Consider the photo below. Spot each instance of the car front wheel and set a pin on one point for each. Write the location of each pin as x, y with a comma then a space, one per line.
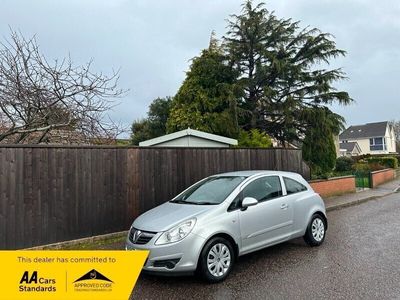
216, 260
316, 229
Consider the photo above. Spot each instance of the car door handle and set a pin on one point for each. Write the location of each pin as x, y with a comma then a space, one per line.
284, 206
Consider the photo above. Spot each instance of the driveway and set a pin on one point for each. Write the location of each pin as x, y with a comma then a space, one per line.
359, 259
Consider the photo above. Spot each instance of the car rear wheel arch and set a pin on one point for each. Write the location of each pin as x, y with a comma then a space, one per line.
322, 215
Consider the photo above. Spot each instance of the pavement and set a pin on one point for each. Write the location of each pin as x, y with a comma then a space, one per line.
337, 202
358, 260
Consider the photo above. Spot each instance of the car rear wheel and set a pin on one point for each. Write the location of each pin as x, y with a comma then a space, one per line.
216, 260
316, 230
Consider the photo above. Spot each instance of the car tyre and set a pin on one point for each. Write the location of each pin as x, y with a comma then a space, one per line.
316, 231
216, 260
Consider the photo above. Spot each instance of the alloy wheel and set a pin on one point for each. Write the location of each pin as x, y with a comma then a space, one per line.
318, 229
218, 260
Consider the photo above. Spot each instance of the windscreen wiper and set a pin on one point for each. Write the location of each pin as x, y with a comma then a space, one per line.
195, 203
204, 203
180, 201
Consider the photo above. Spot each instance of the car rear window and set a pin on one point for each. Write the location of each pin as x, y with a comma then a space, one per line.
293, 186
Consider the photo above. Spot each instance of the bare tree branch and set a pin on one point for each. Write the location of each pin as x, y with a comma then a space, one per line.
39, 98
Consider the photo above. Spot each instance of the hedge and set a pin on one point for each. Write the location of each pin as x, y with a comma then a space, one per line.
344, 164
389, 162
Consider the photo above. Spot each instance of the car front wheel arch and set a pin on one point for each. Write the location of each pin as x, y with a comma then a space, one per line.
230, 239
216, 258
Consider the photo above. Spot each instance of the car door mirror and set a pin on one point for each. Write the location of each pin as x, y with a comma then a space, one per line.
248, 201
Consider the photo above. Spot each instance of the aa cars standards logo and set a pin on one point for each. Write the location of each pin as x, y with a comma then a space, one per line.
93, 281
33, 282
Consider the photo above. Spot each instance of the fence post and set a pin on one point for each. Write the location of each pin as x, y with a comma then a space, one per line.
371, 183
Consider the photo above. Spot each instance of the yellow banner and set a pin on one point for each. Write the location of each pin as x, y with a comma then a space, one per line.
69, 274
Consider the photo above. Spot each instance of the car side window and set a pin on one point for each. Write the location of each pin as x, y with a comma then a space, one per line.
264, 188
236, 203
293, 186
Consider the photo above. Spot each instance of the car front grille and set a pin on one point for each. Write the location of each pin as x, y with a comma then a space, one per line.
140, 237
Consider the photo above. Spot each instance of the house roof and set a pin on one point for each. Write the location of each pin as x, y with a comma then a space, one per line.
349, 147
188, 132
364, 131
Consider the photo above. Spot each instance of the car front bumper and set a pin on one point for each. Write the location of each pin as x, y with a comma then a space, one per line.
178, 257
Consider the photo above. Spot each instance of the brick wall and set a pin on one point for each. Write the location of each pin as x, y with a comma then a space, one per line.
382, 176
334, 186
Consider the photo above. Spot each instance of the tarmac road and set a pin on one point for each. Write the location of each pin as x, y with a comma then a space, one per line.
359, 259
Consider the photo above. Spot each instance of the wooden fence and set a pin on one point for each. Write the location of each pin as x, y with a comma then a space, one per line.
50, 194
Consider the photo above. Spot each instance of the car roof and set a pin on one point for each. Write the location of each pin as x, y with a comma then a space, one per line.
256, 173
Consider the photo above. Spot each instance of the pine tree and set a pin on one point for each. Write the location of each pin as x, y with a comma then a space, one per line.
279, 66
207, 98
318, 147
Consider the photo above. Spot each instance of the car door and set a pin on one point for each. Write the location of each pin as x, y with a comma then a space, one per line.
271, 220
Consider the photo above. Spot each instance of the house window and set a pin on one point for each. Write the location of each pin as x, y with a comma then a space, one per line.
377, 144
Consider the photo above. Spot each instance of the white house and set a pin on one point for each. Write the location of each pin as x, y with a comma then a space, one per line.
349, 149
371, 138
190, 138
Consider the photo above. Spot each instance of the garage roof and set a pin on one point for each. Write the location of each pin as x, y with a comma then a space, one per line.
188, 132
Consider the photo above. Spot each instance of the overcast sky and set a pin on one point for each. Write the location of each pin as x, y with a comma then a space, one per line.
153, 41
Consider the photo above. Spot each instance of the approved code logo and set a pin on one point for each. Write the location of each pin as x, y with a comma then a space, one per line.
93, 281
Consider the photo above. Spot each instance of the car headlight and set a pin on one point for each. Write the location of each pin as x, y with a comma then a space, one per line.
176, 233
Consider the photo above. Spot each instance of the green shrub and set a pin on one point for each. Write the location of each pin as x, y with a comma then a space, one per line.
344, 164
361, 167
388, 162
375, 167
254, 139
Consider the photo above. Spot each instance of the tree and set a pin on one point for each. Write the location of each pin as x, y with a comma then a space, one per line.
140, 131
207, 98
254, 139
280, 71
159, 111
155, 123
396, 128
38, 97
318, 147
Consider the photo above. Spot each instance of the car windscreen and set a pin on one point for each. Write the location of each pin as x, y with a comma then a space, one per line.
210, 191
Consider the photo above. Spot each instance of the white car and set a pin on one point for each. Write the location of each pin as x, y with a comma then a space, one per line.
210, 224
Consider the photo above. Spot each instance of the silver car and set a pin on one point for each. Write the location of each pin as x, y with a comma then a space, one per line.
213, 222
